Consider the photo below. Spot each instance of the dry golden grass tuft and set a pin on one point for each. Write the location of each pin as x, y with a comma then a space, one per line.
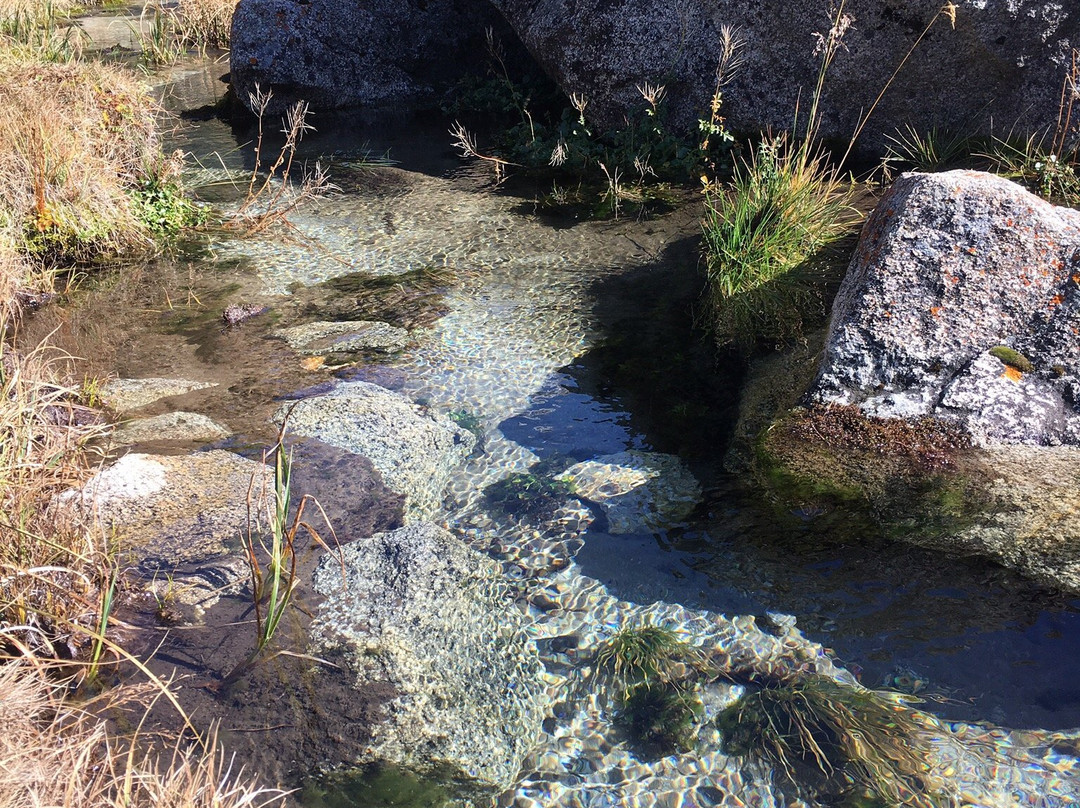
53, 753
78, 144
205, 23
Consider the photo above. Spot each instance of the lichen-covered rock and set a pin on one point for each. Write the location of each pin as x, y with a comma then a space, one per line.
335, 54
640, 492
1003, 61
995, 60
950, 267
414, 449
420, 610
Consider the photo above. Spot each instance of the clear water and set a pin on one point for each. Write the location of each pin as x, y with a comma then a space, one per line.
527, 348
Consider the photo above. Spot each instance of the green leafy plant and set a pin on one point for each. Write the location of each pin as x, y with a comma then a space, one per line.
849, 736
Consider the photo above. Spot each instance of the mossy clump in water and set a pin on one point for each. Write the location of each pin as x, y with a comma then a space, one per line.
891, 470
1012, 358
413, 299
660, 718
374, 786
837, 740
525, 494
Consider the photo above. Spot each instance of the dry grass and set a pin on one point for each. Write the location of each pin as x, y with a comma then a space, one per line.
53, 570
54, 754
205, 23
78, 144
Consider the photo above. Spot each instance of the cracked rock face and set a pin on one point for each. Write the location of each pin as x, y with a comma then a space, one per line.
949, 267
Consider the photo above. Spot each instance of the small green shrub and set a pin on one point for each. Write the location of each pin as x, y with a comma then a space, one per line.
660, 719
529, 495
848, 736
1012, 358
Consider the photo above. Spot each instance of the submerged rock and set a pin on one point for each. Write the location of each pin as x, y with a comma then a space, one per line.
350, 336
420, 610
122, 395
951, 268
179, 529
414, 449
172, 426
640, 492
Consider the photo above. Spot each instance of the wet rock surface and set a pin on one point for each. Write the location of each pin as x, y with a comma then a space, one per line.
122, 395
418, 609
173, 426
949, 268
181, 533
346, 337
413, 449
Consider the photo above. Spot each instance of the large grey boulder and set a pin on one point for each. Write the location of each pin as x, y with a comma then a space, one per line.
413, 448
949, 268
418, 609
1003, 62
348, 54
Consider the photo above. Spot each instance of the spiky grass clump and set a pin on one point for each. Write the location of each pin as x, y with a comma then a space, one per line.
932, 151
761, 238
51, 753
852, 737
642, 654
82, 174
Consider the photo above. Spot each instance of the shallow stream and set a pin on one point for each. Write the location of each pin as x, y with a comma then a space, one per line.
553, 338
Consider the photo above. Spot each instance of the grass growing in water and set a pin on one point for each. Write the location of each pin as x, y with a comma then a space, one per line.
760, 238
660, 719
869, 739
641, 654
529, 495
272, 560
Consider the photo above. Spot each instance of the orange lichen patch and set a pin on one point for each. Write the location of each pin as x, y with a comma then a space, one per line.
972, 251
1076, 278
935, 310
313, 362
1055, 301
1012, 374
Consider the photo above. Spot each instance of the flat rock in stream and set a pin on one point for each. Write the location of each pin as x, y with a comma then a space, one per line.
413, 448
640, 492
172, 426
350, 336
418, 609
123, 395
181, 518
